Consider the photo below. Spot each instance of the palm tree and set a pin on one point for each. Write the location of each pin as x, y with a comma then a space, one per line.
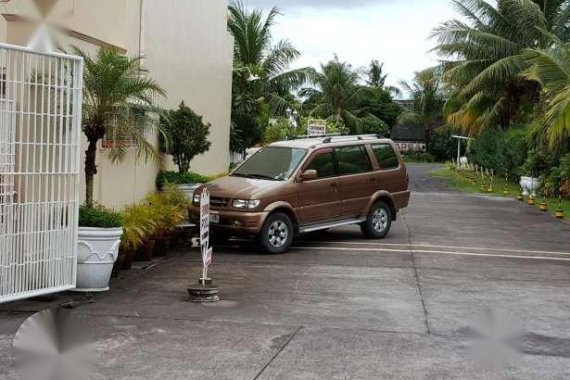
376, 78
267, 66
551, 68
427, 100
116, 95
483, 58
337, 95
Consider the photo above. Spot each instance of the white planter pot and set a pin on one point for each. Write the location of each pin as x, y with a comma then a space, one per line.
189, 190
525, 185
97, 251
534, 186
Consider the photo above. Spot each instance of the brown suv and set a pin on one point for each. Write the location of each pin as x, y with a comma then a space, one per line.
299, 186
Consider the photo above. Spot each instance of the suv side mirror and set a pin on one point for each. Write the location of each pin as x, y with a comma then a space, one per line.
309, 175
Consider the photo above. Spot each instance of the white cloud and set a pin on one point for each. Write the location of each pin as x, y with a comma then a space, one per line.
395, 32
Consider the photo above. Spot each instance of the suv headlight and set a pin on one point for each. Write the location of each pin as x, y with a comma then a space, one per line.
246, 204
196, 199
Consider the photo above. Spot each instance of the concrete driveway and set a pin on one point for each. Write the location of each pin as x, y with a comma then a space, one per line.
413, 306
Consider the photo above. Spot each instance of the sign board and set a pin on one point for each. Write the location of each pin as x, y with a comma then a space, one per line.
316, 130
406, 147
205, 232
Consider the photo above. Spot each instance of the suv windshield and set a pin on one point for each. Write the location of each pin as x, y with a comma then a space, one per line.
272, 163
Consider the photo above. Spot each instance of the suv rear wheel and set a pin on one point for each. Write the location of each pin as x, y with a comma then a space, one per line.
277, 233
379, 221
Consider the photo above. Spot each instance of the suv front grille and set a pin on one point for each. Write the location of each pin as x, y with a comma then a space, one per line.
217, 202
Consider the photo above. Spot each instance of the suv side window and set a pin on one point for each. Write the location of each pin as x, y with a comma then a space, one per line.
353, 160
324, 165
386, 157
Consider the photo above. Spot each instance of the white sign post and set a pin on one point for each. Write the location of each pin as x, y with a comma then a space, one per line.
316, 130
205, 234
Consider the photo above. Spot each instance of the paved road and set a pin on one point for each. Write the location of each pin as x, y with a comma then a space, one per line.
341, 307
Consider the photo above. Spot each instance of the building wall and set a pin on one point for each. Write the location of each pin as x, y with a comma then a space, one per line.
195, 34
189, 52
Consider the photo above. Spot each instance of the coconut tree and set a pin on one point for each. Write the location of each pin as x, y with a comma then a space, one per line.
427, 100
551, 68
337, 95
376, 78
267, 65
116, 97
483, 58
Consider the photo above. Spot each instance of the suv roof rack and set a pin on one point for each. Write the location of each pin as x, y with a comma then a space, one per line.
330, 139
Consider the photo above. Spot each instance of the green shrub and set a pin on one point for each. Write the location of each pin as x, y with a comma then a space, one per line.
503, 151
278, 130
419, 157
176, 178
444, 147
186, 136
99, 217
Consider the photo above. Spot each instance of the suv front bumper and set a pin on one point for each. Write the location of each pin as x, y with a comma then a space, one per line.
235, 222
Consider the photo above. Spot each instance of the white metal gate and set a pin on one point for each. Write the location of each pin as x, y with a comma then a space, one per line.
40, 130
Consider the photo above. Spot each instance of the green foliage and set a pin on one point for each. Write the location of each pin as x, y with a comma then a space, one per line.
503, 151
170, 208
262, 79
278, 130
185, 136
176, 178
372, 125
483, 55
337, 95
427, 100
443, 147
98, 217
139, 224
116, 95
419, 157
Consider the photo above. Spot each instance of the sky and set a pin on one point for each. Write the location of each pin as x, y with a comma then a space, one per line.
395, 32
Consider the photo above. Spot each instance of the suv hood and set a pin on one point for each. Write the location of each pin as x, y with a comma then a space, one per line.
240, 188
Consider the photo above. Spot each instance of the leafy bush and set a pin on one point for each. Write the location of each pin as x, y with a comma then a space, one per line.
443, 147
419, 157
278, 130
165, 177
503, 151
373, 125
99, 217
170, 208
139, 224
186, 136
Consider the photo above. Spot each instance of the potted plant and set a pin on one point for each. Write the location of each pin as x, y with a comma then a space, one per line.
100, 232
184, 137
139, 224
169, 209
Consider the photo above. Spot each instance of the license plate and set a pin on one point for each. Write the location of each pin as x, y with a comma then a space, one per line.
215, 218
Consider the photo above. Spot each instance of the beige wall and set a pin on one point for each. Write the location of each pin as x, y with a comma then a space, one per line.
187, 49
193, 37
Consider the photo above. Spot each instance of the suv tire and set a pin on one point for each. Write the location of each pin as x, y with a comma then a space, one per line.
277, 233
379, 221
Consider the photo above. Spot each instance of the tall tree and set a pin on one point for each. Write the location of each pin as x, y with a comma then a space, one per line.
117, 91
338, 96
427, 100
265, 64
551, 68
483, 58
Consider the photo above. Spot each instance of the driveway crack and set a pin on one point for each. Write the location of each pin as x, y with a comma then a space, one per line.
416, 275
277, 353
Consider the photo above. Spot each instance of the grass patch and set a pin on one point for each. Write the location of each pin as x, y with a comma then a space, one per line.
458, 182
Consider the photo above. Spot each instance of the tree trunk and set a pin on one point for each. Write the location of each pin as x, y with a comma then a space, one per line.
90, 171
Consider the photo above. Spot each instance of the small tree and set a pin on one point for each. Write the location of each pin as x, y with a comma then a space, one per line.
186, 135
117, 91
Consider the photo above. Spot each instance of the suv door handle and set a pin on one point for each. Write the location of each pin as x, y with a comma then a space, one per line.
373, 179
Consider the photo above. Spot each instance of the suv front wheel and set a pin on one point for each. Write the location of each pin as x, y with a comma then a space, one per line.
277, 233
379, 221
